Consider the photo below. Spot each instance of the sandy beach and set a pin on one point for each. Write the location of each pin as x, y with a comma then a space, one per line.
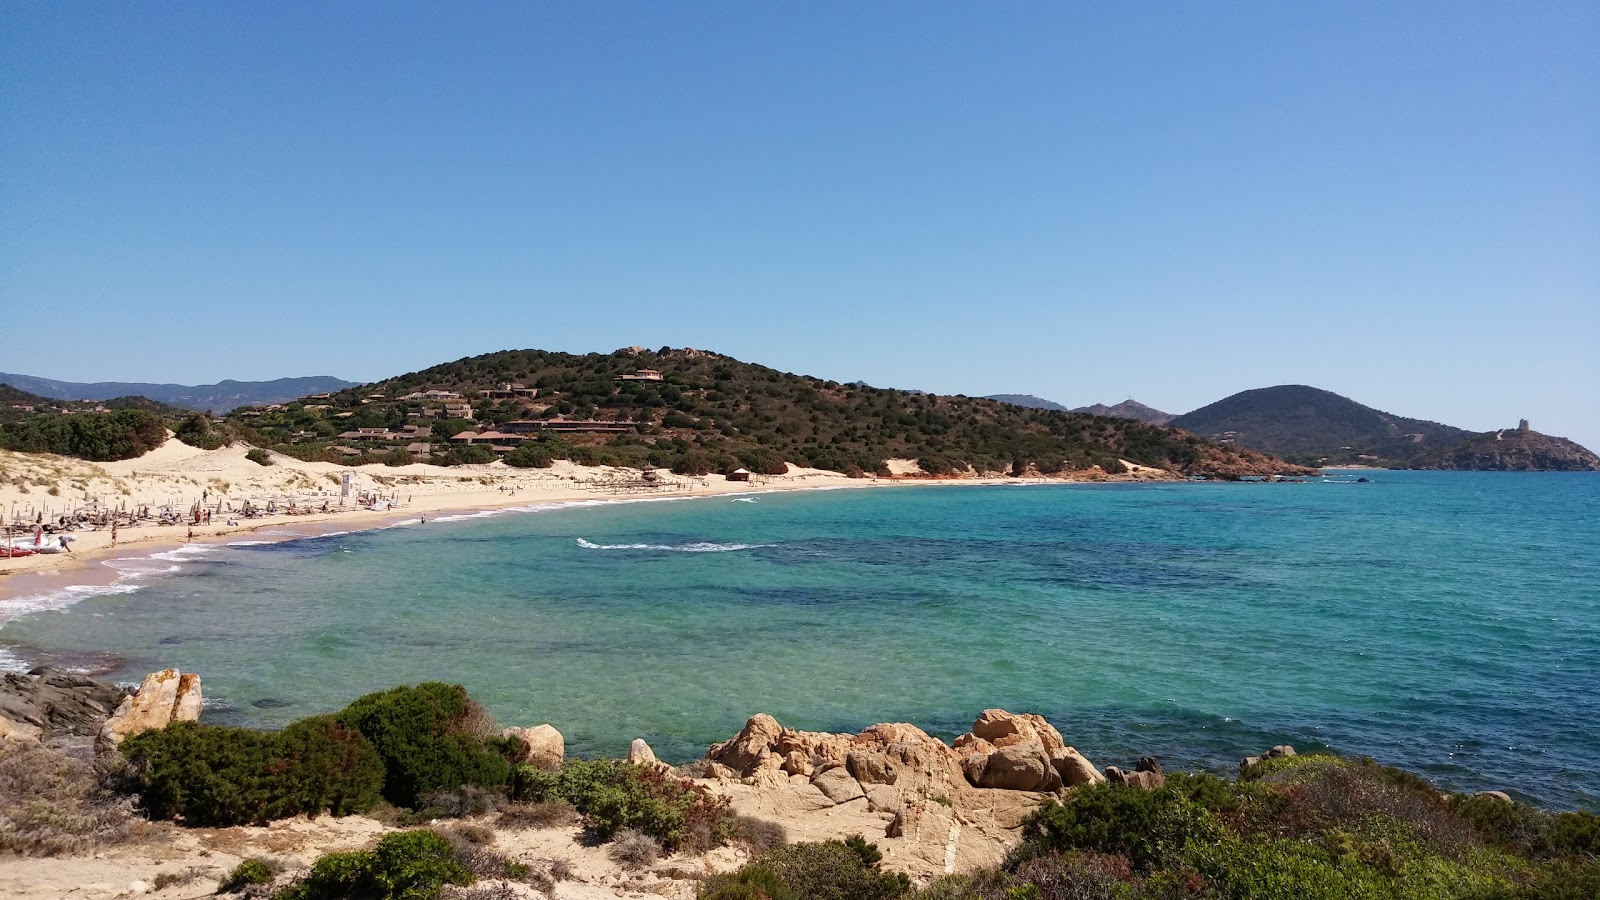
177, 476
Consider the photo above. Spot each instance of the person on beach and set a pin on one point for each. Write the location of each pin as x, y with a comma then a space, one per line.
191, 534
113, 533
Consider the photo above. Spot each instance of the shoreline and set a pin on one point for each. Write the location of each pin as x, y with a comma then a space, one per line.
92, 567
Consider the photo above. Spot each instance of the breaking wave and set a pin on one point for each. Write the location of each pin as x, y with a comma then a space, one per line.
694, 547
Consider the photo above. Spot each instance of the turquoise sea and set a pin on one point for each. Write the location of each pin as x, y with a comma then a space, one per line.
1445, 622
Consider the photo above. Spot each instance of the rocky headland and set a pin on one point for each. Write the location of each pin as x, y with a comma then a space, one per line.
935, 812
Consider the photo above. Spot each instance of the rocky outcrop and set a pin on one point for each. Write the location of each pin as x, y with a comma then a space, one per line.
1274, 753
1003, 751
1146, 777
165, 697
896, 766
542, 745
56, 703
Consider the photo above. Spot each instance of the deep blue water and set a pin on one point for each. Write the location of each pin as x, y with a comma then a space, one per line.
1444, 622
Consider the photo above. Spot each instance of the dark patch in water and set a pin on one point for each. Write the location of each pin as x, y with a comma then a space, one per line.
270, 703
171, 640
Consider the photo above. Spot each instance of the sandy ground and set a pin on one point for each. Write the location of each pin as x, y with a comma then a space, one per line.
179, 476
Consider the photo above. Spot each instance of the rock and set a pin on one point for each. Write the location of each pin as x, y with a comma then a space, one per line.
162, 697
1074, 768
1495, 795
138, 887
10, 729
838, 785
1142, 779
640, 753
57, 701
1276, 752
543, 746
744, 751
187, 707
1149, 764
884, 798
1020, 767
798, 764
870, 768
971, 743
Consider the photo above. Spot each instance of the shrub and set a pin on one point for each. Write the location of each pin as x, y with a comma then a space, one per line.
829, 870
633, 849
613, 795
424, 737
220, 776
546, 814
759, 835
196, 431
1151, 828
51, 805
249, 872
529, 456
397, 457
407, 865
693, 464
458, 803
259, 456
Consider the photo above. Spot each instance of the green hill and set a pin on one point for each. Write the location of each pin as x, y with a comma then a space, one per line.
702, 412
1512, 450
221, 396
1306, 424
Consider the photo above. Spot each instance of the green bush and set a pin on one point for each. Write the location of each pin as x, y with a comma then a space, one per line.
407, 865
829, 870
423, 736
693, 464
1151, 828
259, 456
220, 776
613, 795
196, 431
249, 872
530, 456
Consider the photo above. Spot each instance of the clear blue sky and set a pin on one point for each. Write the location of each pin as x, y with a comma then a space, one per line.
1170, 201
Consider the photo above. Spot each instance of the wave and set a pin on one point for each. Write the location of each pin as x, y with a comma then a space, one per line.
249, 543
186, 552
694, 547
61, 598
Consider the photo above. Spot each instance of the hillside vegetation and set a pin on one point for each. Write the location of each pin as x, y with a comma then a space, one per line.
1307, 424
710, 413
120, 428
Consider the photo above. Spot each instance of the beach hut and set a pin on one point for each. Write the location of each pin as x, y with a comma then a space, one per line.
739, 475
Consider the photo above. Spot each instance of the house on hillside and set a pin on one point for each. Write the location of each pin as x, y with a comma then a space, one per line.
510, 391
642, 375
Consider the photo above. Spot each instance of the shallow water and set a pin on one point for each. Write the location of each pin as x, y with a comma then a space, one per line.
1445, 622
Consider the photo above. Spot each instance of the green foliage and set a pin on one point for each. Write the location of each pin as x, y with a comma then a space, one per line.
98, 436
530, 456
196, 431
259, 456
220, 776
693, 464
422, 735
246, 873
1152, 829
407, 865
614, 795
398, 457
729, 414
468, 455
829, 870
1279, 764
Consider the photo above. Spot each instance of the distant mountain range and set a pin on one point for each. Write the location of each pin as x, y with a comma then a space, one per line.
1027, 400
220, 397
1128, 409
1315, 427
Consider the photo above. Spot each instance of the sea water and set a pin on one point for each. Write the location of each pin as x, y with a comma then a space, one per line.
1443, 622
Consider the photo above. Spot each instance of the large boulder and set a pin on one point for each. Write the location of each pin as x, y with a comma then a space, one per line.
11, 729
1020, 767
997, 730
743, 752
58, 702
542, 745
1075, 768
165, 697
837, 783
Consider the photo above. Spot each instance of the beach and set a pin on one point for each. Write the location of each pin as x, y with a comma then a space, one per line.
36, 486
